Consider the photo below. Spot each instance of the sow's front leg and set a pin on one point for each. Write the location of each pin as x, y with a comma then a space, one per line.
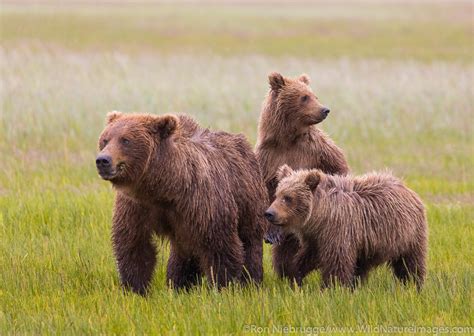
132, 243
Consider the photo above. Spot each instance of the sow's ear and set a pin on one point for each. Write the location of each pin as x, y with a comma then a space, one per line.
276, 81
112, 116
283, 172
304, 78
312, 180
164, 125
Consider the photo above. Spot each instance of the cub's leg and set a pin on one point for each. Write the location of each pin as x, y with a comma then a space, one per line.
338, 265
284, 254
362, 269
305, 262
411, 265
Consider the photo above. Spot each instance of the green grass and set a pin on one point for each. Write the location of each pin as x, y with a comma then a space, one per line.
409, 110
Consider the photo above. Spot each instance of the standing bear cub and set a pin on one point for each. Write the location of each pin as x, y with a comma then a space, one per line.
201, 189
287, 135
348, 225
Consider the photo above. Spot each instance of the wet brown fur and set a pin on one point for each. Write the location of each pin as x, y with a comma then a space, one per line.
287, 135
348, 225
201, 189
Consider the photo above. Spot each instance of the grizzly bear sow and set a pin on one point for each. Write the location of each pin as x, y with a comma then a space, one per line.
201, 189
348, 225
287, 135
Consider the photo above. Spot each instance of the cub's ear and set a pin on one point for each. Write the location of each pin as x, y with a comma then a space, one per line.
112, 116
312, 180
164, 126
283, 172
276, 81
304, 78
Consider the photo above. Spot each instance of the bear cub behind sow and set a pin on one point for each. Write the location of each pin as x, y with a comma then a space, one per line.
348, 225
201, 189
287, 134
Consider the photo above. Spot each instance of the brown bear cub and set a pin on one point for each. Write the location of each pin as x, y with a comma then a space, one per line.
201, 189
349, 225
287, 135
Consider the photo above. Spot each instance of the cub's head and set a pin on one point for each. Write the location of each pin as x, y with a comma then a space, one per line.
127, 143
294, 198
294, 100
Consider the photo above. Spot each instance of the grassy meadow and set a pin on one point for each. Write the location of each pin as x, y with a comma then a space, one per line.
399, 81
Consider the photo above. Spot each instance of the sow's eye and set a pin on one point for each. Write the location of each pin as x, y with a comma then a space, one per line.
305, 98
125, 141
287, 200
104, 143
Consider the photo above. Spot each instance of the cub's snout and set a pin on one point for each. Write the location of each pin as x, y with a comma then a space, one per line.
325, 111
270, 215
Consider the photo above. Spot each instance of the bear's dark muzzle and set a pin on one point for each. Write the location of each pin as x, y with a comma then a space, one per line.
104, 165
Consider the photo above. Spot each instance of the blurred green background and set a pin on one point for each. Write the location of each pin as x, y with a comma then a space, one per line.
397, 75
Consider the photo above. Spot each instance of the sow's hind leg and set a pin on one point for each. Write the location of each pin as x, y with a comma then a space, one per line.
182, 272
251, 235
251, 200
223, 262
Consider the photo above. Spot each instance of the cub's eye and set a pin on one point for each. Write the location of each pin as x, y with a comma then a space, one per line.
105, 142
287, 199
125, 141
305, 98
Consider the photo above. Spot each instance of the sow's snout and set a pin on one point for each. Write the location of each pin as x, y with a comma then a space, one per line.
104, 165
